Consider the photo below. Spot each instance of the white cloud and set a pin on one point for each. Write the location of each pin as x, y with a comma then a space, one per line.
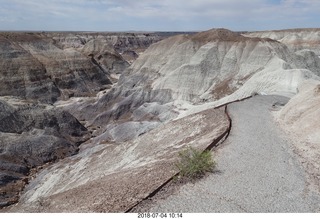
161, 14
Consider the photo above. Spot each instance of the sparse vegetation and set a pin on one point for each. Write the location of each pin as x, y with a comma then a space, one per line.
194, 163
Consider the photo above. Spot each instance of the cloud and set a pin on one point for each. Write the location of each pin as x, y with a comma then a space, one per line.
157, 14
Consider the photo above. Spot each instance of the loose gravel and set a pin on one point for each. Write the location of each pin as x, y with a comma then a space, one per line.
257, 170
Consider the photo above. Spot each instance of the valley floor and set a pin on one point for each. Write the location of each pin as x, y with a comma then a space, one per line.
257, 170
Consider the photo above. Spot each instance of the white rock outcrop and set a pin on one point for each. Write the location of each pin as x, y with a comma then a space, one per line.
295, 39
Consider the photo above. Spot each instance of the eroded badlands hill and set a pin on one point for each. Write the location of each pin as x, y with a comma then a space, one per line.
185, 74
46, 67
52, 66
30, 136
113, 177
295, 39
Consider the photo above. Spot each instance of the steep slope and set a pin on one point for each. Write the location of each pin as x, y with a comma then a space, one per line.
104, 55
30, 136
34, 68
214, 64
38, 68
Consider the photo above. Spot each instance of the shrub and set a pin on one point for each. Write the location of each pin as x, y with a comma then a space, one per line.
194, 163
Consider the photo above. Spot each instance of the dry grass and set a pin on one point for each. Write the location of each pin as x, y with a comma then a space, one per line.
194, 163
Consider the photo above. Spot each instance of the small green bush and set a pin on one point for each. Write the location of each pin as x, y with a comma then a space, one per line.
194, 163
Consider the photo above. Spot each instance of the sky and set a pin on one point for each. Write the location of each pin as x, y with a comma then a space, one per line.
157, 15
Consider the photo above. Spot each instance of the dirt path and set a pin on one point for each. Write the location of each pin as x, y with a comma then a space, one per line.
258, 172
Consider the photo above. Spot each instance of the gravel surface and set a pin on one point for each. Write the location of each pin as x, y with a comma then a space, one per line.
258, 172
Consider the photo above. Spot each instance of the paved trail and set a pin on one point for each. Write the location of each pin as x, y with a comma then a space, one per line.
258, 170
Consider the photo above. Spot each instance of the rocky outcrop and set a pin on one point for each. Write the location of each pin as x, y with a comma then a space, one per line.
128, 45
104, 55
30, 136
295, 39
